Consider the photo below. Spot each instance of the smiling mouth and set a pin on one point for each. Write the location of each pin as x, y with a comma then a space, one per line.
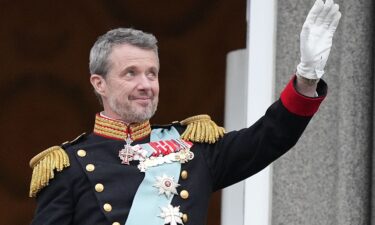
140, 98
142, 101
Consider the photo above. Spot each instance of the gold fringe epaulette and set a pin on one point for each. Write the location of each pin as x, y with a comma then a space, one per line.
44, 164
201, 129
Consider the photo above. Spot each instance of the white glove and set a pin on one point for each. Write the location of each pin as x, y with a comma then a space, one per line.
316, 38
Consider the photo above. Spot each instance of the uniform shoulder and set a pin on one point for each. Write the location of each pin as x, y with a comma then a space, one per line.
175, 124
46, 162
199, 128
79, 139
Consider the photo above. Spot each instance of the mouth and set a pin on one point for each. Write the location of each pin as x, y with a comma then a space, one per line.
144, 100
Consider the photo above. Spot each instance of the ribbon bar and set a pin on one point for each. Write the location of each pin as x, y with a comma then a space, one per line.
162, 148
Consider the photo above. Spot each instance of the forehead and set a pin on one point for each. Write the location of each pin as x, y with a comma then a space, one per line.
125, 54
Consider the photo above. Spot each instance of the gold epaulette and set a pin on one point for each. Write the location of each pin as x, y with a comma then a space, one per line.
44, 164
201, 129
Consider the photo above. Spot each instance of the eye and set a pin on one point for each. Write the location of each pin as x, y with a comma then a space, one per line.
130, 73
152, 76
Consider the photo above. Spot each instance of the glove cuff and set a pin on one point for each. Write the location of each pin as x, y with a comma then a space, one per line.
307, 80
309, 72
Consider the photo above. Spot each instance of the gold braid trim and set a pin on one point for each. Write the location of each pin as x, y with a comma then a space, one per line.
117, 129
43, 165
201, 129
140, 130
109, 132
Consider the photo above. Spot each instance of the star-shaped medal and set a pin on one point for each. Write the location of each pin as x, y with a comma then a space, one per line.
166, 185
171, 215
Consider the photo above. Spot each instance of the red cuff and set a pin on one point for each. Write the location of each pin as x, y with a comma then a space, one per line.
297, 103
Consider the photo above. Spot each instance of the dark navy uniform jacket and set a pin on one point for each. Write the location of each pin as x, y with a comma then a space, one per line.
104, 195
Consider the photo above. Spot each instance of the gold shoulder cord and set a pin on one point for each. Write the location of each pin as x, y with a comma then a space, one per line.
44, 164
201, 129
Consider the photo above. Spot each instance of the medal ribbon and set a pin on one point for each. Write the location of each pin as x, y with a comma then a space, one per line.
162, 148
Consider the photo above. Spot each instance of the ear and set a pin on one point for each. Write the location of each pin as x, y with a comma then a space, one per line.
99, 84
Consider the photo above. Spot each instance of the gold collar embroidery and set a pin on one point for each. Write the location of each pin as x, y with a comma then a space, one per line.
116, 129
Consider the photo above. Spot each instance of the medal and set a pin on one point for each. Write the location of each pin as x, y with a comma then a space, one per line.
166, 185
183, 156
171, 215
156, 153
130, 153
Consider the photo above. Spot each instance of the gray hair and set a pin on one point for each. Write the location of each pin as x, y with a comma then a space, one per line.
102, 48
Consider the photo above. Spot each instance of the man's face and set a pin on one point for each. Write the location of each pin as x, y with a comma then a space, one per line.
131, 84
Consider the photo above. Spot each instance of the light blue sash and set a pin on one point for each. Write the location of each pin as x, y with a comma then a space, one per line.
147, 202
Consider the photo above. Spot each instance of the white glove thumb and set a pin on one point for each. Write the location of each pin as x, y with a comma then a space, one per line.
316, 38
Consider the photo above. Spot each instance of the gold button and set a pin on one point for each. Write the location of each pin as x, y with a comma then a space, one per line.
184, 194
99, 187
107, 207
116, 223
90, 167
184, 218
81, 153
184, 174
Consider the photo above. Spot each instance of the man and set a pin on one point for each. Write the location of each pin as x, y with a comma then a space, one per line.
127, 172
